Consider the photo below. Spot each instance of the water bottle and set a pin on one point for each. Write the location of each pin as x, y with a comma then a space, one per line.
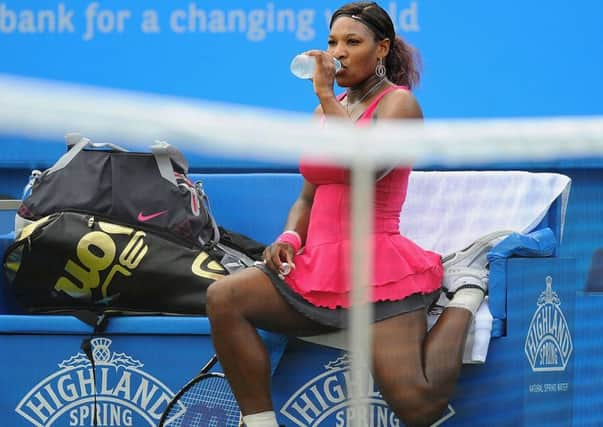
303, 66
285, 268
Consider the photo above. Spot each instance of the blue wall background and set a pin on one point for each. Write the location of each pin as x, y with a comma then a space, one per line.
481, 58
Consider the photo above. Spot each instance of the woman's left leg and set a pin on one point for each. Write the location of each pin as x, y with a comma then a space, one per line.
416, 370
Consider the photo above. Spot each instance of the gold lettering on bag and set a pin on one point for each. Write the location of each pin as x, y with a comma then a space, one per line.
96, 251
116, 269
134, 251
109, 228
204, 266
88, 274
129, 258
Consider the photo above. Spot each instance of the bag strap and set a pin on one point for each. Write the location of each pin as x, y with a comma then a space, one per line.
75, 144
174, 154
74, 138
205, 200
165, 154
99, 322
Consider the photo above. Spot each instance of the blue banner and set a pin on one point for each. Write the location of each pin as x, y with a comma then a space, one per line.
480, 59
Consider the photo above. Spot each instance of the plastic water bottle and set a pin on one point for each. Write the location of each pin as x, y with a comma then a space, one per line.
285, 268
303, 66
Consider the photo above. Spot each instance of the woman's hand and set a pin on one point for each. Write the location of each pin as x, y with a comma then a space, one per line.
278, 253
324, 75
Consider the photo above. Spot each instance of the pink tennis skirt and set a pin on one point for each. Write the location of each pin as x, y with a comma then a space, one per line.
337, 318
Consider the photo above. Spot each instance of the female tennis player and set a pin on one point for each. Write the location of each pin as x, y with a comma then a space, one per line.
415, 369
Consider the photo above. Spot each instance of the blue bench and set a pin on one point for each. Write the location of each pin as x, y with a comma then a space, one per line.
142, 361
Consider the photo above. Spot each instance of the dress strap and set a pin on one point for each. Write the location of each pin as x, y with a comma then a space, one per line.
368, 113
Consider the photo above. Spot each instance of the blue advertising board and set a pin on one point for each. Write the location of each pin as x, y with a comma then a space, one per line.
480, 59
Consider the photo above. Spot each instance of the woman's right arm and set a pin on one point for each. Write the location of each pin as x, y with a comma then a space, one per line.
323, 82
297, 220
299, 214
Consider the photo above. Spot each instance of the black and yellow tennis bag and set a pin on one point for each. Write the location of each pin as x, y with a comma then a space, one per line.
69, 261
94, 252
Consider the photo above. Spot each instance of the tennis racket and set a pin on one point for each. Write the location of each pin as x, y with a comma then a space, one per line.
205, 401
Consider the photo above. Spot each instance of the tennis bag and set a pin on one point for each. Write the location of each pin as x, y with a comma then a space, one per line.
71, 261
150, 189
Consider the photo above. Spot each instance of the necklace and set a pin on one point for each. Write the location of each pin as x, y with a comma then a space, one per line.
350, 107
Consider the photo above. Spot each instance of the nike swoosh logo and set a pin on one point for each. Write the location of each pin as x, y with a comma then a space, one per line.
144, 218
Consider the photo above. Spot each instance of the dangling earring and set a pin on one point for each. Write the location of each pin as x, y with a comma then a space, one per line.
380, 70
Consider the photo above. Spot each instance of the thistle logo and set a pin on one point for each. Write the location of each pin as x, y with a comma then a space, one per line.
125, 395
323, 401
549, 342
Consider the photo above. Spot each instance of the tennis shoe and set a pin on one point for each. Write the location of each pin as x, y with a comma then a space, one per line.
468, 268
456, 278
474, 255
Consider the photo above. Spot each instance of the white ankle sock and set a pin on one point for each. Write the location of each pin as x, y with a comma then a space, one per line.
261, 419
467, 298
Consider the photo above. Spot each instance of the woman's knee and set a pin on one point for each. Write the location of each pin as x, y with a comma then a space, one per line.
220, 297
242, 293
418, 405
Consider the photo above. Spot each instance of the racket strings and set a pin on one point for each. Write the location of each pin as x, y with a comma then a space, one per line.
209, 402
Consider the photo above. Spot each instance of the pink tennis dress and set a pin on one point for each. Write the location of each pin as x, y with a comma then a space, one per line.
401, 268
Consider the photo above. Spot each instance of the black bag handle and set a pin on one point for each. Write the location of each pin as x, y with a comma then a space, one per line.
165, 154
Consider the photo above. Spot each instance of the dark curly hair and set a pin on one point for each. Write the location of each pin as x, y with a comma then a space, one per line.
402, 61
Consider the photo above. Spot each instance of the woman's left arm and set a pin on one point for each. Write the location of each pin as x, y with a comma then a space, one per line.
398, 104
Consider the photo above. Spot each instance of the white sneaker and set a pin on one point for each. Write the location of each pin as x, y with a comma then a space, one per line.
456, 278
475, 254
468, 268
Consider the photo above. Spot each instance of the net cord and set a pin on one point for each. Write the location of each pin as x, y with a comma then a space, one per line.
47, 110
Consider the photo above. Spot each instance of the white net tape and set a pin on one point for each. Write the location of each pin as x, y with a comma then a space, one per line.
47, 110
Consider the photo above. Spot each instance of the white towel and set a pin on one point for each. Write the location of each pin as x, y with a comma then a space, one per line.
478, 336
446, 211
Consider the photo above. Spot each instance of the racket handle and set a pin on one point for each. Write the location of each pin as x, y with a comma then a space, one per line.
210, 364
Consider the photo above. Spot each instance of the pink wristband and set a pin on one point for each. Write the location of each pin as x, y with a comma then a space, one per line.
291, 237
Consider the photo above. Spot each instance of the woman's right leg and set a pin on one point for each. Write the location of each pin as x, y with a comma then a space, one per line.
236, 306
